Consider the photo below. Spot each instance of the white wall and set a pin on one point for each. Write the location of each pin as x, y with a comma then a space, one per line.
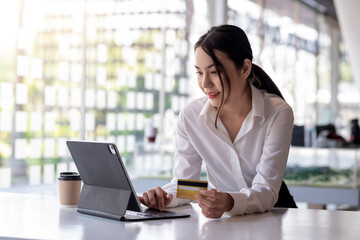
349, 18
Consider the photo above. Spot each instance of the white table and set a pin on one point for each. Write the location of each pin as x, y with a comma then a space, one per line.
25, 216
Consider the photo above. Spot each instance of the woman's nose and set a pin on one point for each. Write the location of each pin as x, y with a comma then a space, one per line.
206, 81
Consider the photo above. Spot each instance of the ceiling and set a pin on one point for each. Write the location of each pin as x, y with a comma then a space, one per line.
325, 7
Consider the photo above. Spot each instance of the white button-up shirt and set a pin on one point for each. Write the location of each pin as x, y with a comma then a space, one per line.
251, 168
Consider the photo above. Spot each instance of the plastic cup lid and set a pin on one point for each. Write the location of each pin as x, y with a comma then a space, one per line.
67, 176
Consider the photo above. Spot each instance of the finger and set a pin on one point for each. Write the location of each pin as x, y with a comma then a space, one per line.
205, 213
151, 195
211, 214
146, 199
160, 198
149, 202
210, 194
168, 199
207, 205
141, 199
205, 201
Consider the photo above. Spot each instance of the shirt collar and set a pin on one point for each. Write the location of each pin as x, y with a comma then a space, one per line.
207, 109
258, 105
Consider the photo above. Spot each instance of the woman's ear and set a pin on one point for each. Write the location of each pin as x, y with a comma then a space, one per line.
246, 69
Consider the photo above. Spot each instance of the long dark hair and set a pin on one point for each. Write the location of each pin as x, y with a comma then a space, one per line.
233, 41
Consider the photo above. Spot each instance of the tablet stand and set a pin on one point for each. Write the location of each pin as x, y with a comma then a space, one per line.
103, 202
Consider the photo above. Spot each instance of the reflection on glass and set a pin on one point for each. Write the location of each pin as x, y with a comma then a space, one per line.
49, 147
35, 148
157, 81
21, 93
20, 148
62, 150
36, 68
49, 173
76, 72
139, 121
124, 62
101, 99
131, 76
75, 97
6, 95
149, 101
5, 121
75, 120
101, 75
130, 143
140, 100
121, 143
121, 122
122, 77
112, 99
89, 121
50, 95
110, 121
61, 167
130, 100
5, 177
21, 121
63, 71
129, 55
34, 175
22, 66
35, 121
49, 121
63, 96
130, 121
102, 53
90, 98
149, 81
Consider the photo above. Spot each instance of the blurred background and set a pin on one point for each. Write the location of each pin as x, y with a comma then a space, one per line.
121, 70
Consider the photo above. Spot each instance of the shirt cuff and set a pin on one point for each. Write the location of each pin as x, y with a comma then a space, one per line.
239, 204
170, 188
177, 201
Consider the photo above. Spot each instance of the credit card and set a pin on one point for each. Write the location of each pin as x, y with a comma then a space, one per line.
189, 188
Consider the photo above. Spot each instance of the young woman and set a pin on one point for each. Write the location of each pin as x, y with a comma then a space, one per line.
241, 129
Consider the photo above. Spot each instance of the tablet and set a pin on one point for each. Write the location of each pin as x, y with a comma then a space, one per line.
107, 189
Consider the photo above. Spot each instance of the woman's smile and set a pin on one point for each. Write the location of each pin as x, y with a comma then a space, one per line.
212, 95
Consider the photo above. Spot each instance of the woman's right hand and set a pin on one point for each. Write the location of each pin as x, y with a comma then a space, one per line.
156, 198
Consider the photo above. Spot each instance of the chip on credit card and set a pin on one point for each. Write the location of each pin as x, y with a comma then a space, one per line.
189, 188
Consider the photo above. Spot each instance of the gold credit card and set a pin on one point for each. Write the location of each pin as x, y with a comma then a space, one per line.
189, 188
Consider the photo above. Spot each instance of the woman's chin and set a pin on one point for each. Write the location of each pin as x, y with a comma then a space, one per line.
214, 103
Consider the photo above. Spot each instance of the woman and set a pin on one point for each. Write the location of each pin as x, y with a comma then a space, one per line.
241, 129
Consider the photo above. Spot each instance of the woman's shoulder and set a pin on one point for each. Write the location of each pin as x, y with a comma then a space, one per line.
275, 104
268, 101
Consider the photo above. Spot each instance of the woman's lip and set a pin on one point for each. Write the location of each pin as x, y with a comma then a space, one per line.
212, 95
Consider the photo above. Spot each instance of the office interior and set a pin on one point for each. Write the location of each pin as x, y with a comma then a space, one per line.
119, 71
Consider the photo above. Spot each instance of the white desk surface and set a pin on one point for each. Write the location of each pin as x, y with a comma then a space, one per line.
25, 216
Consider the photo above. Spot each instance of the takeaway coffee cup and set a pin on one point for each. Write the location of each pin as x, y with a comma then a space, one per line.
69, 188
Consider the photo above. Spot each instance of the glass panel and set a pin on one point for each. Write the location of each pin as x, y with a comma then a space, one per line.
348, 94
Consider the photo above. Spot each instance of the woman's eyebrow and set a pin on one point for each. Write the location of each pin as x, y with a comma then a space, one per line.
210, 66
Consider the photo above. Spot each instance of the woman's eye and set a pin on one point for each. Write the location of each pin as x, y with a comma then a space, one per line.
198, 73
213, 72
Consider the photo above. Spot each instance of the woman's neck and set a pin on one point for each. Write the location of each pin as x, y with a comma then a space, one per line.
238, 105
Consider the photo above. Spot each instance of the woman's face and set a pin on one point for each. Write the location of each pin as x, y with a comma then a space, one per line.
208, 78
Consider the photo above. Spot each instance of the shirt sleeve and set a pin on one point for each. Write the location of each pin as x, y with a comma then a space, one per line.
270, 170
187, 162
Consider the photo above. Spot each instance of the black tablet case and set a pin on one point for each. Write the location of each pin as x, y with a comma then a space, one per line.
107, 191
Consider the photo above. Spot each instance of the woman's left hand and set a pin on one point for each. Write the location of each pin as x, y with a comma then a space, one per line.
214, 203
